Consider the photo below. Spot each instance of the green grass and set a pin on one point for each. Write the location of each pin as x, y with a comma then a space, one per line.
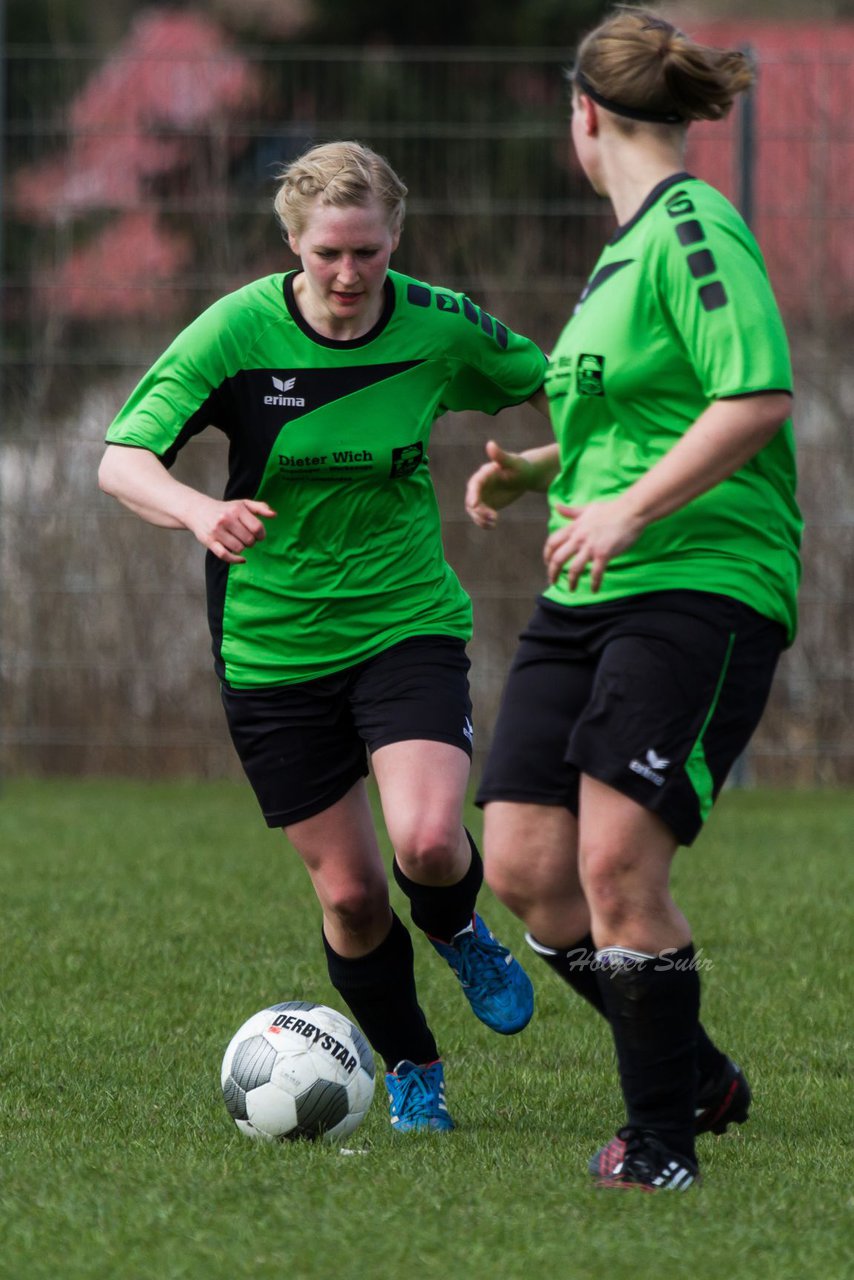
140, 926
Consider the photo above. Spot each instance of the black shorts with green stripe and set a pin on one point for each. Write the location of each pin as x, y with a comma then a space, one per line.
656, 695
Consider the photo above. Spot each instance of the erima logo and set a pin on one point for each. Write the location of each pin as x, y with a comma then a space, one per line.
468, 730
651, 769
282, 385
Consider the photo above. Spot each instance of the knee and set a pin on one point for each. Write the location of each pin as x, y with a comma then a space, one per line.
502, 875
430, 854
611, 885
522, 887
357, 904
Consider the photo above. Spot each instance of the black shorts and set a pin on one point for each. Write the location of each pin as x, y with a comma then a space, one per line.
656, 695
303, 746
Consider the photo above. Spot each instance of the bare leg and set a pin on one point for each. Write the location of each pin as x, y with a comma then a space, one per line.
531, 864
368, 950
439, 868
625, 855
652, 1004
340, 852
422, 786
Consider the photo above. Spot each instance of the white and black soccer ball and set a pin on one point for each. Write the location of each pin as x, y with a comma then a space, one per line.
298, 1070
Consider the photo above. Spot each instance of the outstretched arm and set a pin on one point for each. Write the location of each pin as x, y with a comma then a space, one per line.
139, 480
506, 477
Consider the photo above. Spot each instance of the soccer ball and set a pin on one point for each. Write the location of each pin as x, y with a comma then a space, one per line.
298, 1070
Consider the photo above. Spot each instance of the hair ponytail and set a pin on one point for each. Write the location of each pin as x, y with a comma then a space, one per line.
703, 82
639, 65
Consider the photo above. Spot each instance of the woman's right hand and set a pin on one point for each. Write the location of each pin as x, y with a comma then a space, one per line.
139, 480
227, 528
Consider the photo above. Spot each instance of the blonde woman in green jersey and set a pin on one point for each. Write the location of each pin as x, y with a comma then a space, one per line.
338, 628
672, 562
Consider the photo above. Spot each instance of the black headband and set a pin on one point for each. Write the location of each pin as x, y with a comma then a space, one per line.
633, 113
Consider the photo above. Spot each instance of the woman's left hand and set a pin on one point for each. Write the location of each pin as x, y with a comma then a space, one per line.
595, 534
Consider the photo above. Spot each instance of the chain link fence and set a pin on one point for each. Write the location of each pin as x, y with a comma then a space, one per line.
138, 189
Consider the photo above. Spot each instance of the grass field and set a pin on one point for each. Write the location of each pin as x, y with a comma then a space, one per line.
142, 924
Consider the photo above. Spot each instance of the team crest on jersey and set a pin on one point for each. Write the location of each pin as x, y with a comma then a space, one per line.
406, 460
589, 375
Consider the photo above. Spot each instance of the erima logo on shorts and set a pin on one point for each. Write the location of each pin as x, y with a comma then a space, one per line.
282, 385
651, 768
468, 730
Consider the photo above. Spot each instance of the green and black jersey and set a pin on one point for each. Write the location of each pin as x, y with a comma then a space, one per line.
678, 313
334, 436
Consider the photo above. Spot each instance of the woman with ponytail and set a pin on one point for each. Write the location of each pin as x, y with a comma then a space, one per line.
672, 563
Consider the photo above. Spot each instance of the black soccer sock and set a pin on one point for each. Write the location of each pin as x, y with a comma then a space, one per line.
379, 990
442, 910
653, 1006
576, 965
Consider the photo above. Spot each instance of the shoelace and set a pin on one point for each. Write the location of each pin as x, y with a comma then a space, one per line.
416, 1096
488, 977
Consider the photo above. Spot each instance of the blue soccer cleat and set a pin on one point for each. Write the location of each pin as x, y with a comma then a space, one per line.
496, 986
416, 1097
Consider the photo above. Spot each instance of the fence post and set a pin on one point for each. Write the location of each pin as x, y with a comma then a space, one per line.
3, 370
745, 143
745, 163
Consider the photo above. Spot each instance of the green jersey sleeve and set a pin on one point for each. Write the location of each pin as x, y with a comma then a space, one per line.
491, 366
182, 392
712, 283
